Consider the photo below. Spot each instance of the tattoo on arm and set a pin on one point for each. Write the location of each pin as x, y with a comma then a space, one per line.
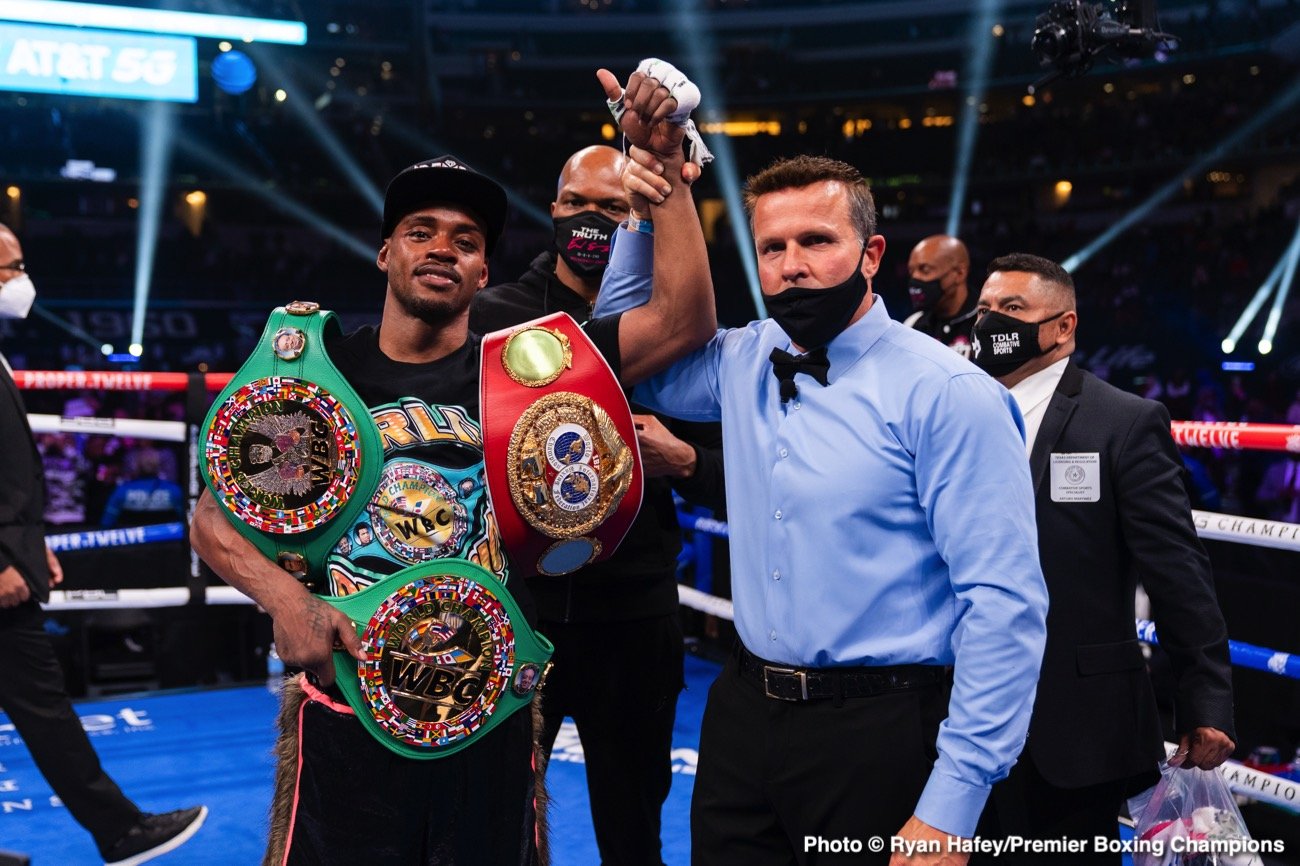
316, 616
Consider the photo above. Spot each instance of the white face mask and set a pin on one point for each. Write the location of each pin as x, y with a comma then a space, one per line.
17, 297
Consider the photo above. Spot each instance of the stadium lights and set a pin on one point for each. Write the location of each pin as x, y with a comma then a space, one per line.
1285, 261
154, 21
156, 152
1282, 104
977, 74
1279, 300
1229, 344
741, 128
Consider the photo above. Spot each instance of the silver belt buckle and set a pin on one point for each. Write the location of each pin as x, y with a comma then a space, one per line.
803, 682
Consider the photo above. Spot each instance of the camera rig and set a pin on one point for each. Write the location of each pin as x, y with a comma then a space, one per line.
1070, 35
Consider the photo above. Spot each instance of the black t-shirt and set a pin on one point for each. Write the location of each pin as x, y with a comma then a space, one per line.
432, 498
955, 333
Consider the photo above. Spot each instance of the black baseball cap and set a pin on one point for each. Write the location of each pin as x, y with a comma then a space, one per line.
445, 178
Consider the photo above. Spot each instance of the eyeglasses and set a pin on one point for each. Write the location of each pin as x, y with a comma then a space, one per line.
15, 265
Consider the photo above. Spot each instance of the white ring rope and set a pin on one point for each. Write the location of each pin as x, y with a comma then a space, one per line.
705, 603
1256, 784
1247, 530
1243, 780
167, 596
160, 431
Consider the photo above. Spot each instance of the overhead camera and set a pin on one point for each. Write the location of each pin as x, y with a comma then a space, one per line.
1071, 34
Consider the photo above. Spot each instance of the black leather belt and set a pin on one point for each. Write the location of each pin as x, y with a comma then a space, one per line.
812, 684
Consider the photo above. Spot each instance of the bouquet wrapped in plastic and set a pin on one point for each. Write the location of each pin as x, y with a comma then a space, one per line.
1191, 819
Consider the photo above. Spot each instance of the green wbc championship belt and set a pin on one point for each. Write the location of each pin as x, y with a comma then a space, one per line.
290, 450
448, 656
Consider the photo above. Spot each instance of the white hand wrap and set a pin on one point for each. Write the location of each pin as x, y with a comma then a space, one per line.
687, 95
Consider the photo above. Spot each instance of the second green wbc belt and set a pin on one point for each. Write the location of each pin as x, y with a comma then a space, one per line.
290, 450
448, 656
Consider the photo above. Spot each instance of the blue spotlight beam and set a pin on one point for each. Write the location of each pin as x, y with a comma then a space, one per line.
693, 34
1252, 309
276, 198
427, 146
303, 108
154, 21
155, 155
1280, 105
1279, 300
980, 56
65, 325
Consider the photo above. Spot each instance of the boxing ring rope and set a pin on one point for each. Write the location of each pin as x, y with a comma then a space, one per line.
1247, 530
1255, 784
111, 380
1220, 527
198, 387
167, 596
1243, 654
1241, 779
116, 537
1237, 435
98, 599
160, 431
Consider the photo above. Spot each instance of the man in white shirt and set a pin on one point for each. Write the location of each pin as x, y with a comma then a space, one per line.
1112, 509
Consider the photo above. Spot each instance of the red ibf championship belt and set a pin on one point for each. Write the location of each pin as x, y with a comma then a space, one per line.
559, 447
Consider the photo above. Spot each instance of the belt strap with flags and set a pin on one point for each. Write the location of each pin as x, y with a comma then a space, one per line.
289, 449
448, 656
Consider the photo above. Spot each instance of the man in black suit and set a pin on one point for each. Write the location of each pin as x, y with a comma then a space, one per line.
1112, 512
31, 683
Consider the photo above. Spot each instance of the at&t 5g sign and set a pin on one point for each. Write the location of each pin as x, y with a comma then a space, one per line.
97, 63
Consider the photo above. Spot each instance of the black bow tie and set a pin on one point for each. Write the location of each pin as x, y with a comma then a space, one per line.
785, 365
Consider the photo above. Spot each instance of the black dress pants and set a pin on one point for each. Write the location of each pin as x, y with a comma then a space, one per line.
33, 693
1027, 805
782, 783
619, 683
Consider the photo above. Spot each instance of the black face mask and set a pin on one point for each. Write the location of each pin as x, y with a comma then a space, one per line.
582, 240
1001, 344
924, 294
814, 317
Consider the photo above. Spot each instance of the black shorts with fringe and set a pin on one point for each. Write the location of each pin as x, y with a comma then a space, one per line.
343, 798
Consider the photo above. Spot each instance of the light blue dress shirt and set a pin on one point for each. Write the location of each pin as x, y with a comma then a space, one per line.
886, 518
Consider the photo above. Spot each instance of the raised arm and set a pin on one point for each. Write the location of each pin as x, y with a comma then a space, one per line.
306, 628
627, 280
680, 314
